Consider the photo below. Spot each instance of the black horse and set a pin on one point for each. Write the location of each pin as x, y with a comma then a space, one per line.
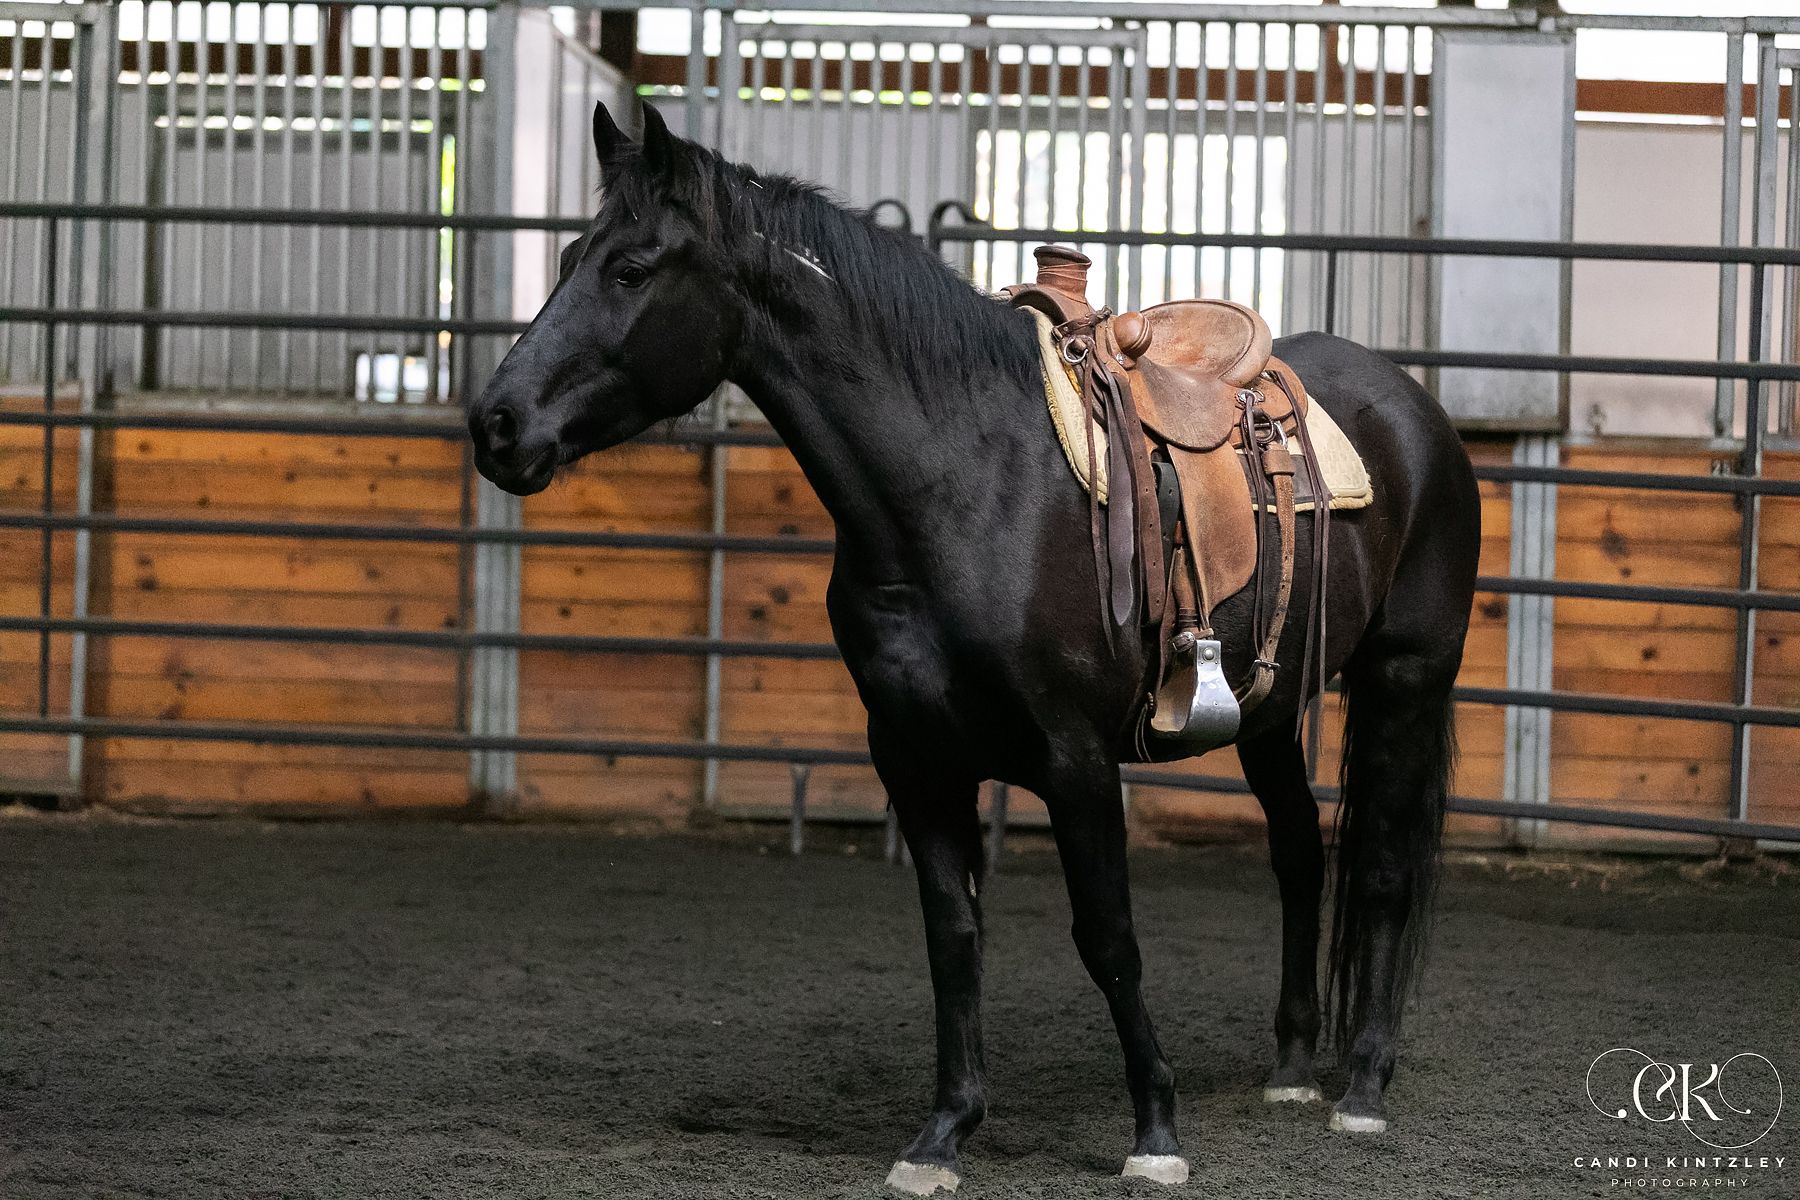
963, 591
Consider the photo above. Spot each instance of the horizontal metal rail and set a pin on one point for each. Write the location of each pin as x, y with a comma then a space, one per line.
427, 639
447, 740
941, 232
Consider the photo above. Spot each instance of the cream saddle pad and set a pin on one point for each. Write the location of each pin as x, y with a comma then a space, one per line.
1345, 476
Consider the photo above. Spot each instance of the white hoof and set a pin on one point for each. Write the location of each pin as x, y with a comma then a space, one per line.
1162, 1168
1348, 1123
921, 1179
1291, 1095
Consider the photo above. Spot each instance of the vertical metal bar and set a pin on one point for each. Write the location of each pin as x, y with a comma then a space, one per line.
1171, 115
790, 117
316, 197
1138, 115
95, 87
15, 94
434, 176
1790, 293
797, 815
1749, 537
719, 472
228, 236
1261, 126
815, 158
1379, 264
1768, 164
1331, 289
1349, 162
1202, 122
404, 243
846, 114
202, 105
694, 88
1327, 37
997, 805
1290, 186
933, 117
993, 173
40, 193
1115, 161
290, 52
375, 245
259, 167
1409, 188
1231, 118
1730, 222
46, 564
347, 174
753, 136
1016, 250
46, 87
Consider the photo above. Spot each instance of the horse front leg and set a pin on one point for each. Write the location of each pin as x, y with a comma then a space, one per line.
1088, 819
937, 814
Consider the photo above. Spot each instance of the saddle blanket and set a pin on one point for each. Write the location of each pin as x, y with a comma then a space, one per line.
1342, 468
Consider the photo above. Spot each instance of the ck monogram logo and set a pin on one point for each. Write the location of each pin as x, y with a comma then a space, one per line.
1739, 1098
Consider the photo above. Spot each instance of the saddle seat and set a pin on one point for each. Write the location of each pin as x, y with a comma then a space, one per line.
1200, 379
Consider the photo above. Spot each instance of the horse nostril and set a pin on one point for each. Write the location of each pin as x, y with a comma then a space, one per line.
502, 430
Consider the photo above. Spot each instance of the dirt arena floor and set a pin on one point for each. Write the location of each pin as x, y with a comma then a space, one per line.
235, 1009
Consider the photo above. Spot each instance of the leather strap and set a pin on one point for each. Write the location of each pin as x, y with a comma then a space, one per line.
1321, 552
1264, 441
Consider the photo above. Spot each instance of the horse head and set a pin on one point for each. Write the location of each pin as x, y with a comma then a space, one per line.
642, 325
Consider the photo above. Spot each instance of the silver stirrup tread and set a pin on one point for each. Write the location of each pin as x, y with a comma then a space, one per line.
1195, 708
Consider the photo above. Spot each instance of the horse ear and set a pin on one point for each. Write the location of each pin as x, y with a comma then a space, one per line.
610, 142
659, 143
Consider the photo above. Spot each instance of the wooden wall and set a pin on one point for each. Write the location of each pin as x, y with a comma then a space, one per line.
1604, 534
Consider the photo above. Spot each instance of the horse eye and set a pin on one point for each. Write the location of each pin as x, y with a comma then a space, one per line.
631, 275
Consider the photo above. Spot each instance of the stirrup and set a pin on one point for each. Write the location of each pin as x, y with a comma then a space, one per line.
1194, 707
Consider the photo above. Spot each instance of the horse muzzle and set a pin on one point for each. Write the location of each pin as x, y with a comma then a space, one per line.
507, 454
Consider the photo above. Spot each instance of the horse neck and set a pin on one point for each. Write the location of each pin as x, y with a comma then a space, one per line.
889, 450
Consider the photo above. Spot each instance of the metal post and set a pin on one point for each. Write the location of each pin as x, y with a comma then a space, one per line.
1530, 635
96, 74
47, 544
996, 839
1730, 217
1749, 536
695, 85
713, 718
1331, 284
494, 670
797, 817
1134, 211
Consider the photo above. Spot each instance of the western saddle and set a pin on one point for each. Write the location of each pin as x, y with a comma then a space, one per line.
1194, 417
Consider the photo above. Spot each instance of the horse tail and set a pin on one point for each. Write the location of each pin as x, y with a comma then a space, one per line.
1399, 747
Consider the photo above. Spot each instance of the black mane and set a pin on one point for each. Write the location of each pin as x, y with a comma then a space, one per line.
883, 280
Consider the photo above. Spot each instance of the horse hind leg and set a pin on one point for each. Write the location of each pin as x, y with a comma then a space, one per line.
1275, 768
1398, 751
